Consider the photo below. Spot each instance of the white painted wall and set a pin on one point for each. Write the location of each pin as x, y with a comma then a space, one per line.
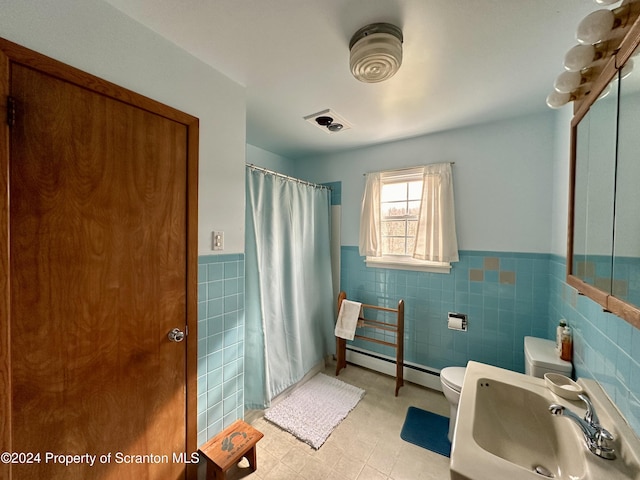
266, 159
95, 37
503, 180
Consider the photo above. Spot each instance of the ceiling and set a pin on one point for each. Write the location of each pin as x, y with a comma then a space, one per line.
465, 62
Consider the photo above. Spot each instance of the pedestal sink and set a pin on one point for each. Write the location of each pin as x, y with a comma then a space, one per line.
505, 431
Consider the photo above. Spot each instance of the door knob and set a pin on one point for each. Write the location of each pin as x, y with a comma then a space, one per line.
176, 335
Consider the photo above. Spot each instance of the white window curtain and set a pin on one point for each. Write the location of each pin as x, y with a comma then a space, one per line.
436, 239
370, 229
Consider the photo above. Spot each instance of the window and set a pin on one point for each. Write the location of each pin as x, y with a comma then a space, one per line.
400, 206
407, 219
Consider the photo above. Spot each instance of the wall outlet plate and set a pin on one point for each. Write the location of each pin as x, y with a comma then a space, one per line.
217, 241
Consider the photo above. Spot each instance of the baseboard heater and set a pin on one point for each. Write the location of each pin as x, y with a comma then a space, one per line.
381, 363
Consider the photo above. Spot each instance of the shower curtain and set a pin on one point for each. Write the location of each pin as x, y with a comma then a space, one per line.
289, 315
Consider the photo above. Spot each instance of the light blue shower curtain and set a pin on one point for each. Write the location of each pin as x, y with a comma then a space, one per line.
289, 315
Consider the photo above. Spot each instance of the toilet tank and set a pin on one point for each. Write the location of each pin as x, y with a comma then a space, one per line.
541, 357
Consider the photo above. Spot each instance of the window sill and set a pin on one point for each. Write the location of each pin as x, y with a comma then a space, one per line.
408, 264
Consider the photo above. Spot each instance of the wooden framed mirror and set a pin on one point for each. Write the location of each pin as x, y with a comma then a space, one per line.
603, 245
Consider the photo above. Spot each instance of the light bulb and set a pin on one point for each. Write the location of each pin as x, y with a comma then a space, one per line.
567, 82
595, 27
606, 2
579, 57
557, 99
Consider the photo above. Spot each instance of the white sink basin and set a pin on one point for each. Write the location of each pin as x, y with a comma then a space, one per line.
514, 424
505, 431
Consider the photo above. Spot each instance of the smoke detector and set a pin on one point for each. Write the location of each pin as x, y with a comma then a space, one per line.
329, 121
376, 52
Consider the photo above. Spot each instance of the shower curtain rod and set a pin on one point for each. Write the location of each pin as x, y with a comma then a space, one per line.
287, 177
406, 169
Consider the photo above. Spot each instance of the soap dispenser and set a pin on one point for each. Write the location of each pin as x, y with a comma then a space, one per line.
567, 345
559, 329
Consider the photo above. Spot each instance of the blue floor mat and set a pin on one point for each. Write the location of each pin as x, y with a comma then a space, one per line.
427, 430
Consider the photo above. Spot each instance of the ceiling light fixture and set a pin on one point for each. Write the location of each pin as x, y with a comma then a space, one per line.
376, 52
329, 121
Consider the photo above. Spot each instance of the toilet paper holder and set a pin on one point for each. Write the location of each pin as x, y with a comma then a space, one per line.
457, 321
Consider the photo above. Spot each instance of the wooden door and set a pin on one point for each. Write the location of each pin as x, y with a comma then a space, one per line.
101, 206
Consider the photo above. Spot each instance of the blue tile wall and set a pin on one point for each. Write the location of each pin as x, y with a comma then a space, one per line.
336, 192
220, 343
606, 348
626, 278
505, 296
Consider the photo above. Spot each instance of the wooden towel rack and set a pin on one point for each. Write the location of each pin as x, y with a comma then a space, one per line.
396, 328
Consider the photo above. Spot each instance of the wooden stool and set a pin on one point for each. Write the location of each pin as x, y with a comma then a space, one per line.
227, 448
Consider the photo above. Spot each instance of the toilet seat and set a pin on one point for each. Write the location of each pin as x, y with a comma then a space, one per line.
453, 377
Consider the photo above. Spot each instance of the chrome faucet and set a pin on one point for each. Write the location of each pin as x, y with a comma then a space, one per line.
595, 436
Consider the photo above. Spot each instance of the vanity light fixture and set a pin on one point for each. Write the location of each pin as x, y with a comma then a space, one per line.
565, 92
595, 26
556, 99
376, 52
598, 40
567, 82
581, 56
598, 25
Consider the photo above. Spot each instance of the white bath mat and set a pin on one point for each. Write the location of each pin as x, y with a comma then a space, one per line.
315, 409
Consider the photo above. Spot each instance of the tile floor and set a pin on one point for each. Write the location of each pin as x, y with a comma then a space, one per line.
365, 446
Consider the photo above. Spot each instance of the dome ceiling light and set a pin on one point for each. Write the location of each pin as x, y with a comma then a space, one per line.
376, 52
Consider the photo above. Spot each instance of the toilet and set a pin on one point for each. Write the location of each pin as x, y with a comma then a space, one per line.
451, 379
540, 358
